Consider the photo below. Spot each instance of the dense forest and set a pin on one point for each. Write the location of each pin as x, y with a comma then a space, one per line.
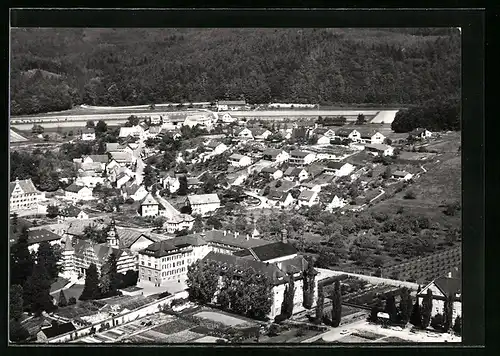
55, 69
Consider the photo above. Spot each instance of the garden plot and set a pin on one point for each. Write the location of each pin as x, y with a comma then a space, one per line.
181, 337
220, 318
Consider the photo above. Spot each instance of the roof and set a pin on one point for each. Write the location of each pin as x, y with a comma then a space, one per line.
130, 187
26, 185
377, 146
166, 247
400, 173
306, 195
336, 165
322, 130
293, 171
258, 131
128, 237
193, 181
449, 286
241, 129
99, 158
231, 102
149, 200
270, 170
285, 186
92, 166
315, 169
101, 251
172, 214
88, 130
273, 152
418, 131
155, 129
70, 212
58, 329
297, 153
121, 156
203, 199
77, 227
236, 156
114, 147
41, 235
367, 133
74, 188
213, 144
273, 250
231, 239
344, 132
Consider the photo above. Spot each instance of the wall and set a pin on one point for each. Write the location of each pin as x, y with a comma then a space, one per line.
151, 308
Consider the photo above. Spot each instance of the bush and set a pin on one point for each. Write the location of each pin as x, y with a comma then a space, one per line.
300, 332
437, 321
72, 301
280, 318
165, 294
273, 330
409, 195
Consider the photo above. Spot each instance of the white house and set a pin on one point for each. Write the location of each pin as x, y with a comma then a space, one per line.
274, 173
323, 140
90, 181
225, 105
442, 288
101, 159
134, 131
237, 160
370, 136
260, 133
156, 120
280, 199
205, 121
226, 118
203, 204
293, 173
402, 175
122, 178
76, 193
380, 149
341, 169
134, 191
301, 158
324, 131
307, 198
149, 206
275, 155
88, 134
244, 134
172, 183
24, 195
215, 147
336, 203
174, 220
71, 212
420, 134
351, 134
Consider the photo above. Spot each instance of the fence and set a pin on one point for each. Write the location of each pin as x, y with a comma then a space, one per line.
115, 320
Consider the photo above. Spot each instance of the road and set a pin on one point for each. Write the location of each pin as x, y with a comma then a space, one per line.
370, 279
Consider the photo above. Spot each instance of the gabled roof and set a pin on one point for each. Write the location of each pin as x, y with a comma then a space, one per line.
367, 133
98, 158
258, 131
58, 329
273, 152
74, 188
315, 170
294, 171
128, 237
322, 130
130, 187
36, 236
285, 186
241, 129
193, 181
336, 165
297, 153
26, 185
273, 250
236, 157
149, 200
449, 286
231, 102
231, 239
270, 170
213, 144
166, 247
88, 130
92, 166
344, 132
121, 156
203, 199
115, 147
306, 195
377, 146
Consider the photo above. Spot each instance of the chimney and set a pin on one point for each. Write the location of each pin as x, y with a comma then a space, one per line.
248, 237
449, 274
225, 232
284, 236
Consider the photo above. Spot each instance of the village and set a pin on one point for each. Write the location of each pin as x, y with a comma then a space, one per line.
300, 201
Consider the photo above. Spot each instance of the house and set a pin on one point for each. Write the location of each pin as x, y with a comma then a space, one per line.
237, 160
420, 134
203, 120
172, 183
134, 191
244, 134
341, 169
324, 131
215, 147
174, 220
280, 199
293, 173
323, 140
101, 159
115, 147
134, 131
279, 262
193, 183
56, 329
153, 131
301, 158
122, 178
23, 195
203, 204
336, 203
224, 105
91, 168
307, 198
352, 134
272, 172
226, 118
71, 212
149, 206
123, 158
314, 170
77, 193
260, 133
371, 136
88, 134
402, 175
445, 288
275, 155
37, 236
380, 149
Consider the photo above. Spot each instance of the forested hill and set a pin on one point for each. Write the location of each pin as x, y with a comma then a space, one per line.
53, 69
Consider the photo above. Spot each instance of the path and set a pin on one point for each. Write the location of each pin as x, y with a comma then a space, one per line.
263, 201
370, 279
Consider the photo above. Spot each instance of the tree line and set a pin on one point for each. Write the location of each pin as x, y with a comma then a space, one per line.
55, 69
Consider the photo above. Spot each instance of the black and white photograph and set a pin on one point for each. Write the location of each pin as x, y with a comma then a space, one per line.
235, 185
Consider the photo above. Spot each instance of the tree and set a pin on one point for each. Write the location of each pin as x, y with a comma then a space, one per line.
457, 326
132, 121
159, 221
72, 301
37, 129
426, 309
320, 304
410, 194
390, 308
149, 176
14, 221
448, 313
209, 184
91, 289
336, 305
361, 120
387, 173
90, 124
183, 186
100, 128
49, 256
17, 332
437, 321
62, 299
15, 302
375, 309
198, 223
309, 276
288, 296
405, 305
21, 260
37, 291
202, 281
416, 316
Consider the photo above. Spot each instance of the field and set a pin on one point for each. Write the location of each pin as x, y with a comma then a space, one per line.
221, 318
